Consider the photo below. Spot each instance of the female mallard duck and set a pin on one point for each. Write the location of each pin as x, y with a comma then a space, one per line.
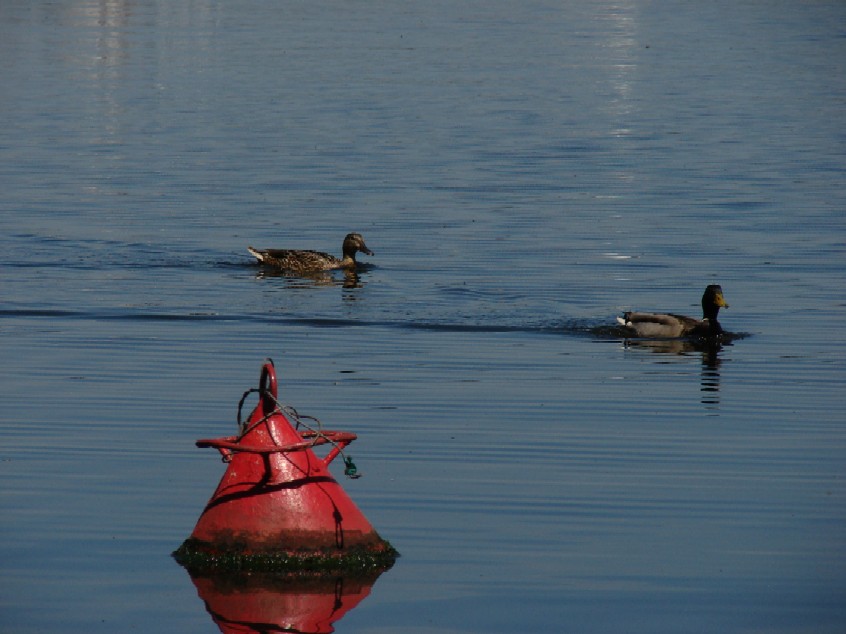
674, 326
312, 261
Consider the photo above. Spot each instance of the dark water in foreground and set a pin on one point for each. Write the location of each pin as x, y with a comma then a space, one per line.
522, 175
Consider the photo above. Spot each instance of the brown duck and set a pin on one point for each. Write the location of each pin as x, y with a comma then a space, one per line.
301, 261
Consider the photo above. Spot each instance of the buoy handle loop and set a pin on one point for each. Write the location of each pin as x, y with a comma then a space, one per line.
267, 383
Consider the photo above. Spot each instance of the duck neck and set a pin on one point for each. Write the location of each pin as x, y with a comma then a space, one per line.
714, 327
710, 312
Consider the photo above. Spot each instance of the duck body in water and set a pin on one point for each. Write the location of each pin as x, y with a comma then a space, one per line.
303, 261
671, 326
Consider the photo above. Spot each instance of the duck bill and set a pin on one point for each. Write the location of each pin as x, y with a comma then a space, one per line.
720, 301
364, 249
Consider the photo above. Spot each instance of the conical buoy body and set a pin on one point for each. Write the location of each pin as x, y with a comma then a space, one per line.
277, 498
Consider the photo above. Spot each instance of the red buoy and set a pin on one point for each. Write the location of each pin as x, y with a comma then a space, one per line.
277, 506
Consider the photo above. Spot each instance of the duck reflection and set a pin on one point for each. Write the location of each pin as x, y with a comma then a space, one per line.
349, 279
266, 602
710, 350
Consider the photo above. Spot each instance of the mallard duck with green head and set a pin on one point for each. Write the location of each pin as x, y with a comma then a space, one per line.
670, 326
302, 261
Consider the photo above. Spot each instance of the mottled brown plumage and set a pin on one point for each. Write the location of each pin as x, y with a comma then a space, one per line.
302, 261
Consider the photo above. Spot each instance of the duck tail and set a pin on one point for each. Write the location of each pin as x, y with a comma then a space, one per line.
257, 254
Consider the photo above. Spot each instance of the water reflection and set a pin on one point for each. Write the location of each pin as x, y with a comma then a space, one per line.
265, 602
619, 49
108, 21
102, 55
349, 279
711, 361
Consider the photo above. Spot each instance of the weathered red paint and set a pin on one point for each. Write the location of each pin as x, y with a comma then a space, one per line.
277, 496
257, 603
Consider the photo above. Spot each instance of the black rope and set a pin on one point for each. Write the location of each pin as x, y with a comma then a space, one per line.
350, 469
242, 425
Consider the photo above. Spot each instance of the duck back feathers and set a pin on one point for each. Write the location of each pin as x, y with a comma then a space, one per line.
658, 324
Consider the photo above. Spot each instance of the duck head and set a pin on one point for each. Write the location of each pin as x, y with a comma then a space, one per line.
712, 301
353, 243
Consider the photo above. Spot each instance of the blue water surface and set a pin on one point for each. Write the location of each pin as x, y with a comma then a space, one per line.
523, 174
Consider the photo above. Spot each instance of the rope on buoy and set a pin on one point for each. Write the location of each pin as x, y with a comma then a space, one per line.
350, 469
242, 425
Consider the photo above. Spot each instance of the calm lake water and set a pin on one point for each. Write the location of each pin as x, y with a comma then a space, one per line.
523, 173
